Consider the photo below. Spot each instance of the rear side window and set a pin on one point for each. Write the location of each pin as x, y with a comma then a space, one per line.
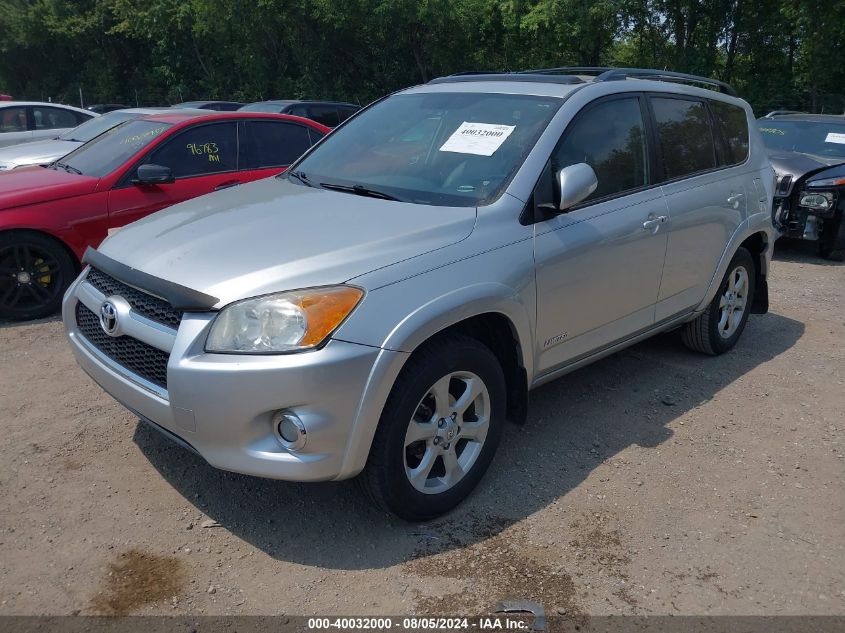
685, 136
12, 120
272, 144
327, 115
610, 138
344, 112
46, 118
733, 127
199, 151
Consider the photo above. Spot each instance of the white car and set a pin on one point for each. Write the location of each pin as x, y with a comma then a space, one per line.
48, 150
24, 121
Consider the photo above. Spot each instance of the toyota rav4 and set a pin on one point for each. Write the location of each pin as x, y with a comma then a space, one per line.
384, 307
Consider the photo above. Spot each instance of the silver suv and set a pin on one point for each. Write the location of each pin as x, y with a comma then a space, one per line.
383, 307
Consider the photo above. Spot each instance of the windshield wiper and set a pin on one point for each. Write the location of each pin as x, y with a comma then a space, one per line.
68, 168
300, 177
359, 190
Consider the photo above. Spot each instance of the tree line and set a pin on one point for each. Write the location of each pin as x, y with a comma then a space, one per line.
779, 54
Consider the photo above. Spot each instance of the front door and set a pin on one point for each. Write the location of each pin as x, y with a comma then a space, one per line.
599, 265
203, 158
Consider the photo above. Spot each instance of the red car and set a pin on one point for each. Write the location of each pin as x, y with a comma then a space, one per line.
49, 216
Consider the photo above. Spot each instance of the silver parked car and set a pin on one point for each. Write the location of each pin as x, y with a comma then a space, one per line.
46, 151
24, 121
383, 307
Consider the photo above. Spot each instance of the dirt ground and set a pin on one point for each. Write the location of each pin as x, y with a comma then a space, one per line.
655, 481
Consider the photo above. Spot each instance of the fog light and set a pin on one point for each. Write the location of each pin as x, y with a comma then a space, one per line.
290, 430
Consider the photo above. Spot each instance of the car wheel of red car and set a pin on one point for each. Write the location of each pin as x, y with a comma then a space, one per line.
35, 271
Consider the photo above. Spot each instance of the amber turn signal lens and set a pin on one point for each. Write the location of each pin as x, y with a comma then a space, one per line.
324, 310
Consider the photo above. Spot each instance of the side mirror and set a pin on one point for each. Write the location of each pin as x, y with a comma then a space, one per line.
151, 174
576, 182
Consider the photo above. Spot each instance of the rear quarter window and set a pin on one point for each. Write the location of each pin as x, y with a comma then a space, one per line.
733, 127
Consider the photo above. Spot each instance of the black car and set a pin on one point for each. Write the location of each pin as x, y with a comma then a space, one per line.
329, 113
808, 154
219, 106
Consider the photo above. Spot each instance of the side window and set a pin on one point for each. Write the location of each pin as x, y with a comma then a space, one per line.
46, 118
327, 115
733, 126
344, 112
272, 144
81, 118
298, 111
201, 150
12, 120
610, 138
685, 136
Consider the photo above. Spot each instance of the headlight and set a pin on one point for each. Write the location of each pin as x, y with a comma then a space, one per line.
827, 182
282, 322
821, 200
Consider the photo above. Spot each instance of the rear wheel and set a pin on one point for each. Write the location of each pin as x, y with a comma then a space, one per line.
35, 271
439, 429
718, 328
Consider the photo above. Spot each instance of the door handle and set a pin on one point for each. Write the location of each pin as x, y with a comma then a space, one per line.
736, 198
653, 223
227, 184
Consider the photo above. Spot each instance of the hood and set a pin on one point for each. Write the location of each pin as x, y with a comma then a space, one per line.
799, 165
36, 153
34, 185
274, 235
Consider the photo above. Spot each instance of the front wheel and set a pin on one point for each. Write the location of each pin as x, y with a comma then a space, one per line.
718, 328
832, 239
35, 271
438, 431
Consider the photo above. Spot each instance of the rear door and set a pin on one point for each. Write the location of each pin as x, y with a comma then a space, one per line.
13, 126
49, 122
203, 158
268, 147
707, 202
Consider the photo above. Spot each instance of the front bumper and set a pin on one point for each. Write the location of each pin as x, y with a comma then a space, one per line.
221, 405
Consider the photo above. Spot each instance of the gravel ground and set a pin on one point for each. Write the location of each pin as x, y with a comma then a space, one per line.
655, 481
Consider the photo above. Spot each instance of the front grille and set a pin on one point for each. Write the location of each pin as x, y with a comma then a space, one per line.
144, 360
149, 306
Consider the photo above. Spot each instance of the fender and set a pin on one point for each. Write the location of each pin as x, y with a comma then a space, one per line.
756, 223
425, 321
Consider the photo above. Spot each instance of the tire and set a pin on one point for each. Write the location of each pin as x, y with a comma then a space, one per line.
413, 434
35, 271
718, 328
832, 240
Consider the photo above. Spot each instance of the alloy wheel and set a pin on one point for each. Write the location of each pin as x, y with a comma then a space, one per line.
30, 277
447, 432
733, 302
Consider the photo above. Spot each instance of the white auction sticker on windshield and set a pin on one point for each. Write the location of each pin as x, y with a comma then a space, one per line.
835, 137
481, 139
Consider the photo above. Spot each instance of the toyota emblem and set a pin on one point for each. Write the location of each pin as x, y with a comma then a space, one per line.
108, 318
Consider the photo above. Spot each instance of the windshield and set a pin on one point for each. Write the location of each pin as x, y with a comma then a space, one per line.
109, 151
96, 126
454, 149
810, 137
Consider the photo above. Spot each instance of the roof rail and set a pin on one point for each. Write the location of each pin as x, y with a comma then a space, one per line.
774, 113
568, 70
604, 73
506, 76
